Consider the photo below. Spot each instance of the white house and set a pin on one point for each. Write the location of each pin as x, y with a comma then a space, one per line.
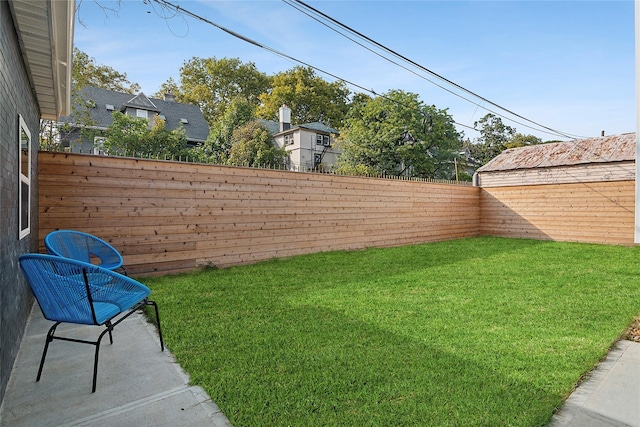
310, 145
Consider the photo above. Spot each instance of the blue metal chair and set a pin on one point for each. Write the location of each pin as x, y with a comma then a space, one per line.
83, 247
70, 291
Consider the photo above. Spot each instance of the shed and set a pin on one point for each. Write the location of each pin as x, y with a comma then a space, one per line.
601, 159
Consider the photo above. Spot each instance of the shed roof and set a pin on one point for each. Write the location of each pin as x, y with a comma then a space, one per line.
614, 148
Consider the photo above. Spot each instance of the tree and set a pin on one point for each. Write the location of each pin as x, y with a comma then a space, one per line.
86, 72
311, 98
397, 134
170, 86
521, 140
213, 84
494, 138
217, 147
130, 135
252, 145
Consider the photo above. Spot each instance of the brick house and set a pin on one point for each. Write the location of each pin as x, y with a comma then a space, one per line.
36, 41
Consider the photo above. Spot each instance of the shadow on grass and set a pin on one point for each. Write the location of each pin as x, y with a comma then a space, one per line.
313, 340
340, 371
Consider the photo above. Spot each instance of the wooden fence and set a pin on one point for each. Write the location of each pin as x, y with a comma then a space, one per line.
598, 212
169, 217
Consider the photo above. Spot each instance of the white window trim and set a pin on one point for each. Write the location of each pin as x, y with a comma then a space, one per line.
24, 179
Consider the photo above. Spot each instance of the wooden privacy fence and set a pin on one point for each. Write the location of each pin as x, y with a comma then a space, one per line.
597, 212
169, 217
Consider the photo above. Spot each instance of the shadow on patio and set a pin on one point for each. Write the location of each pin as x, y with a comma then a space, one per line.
137, 383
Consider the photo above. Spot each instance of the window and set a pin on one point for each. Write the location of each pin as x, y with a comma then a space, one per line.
322, 140
98, 145
110, 107
142, 114
24, 142
288, 139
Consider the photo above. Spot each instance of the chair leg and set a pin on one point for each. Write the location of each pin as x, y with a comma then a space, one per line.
46, 347
95, 360
155, 306
109, 328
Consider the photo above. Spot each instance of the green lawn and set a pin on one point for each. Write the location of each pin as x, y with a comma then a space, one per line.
482, 331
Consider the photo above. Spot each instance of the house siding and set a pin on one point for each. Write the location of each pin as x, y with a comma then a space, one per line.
16, 98
592, 172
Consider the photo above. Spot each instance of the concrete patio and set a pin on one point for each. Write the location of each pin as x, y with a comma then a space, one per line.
140, 385
137, 383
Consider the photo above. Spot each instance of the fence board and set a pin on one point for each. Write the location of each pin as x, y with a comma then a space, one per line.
168, 217
597, 212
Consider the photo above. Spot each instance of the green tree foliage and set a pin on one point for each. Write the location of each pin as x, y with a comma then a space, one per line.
521, 140
311, 98
495, 137
397, 134
86, 72
252, 145
130, 135
213, 84
170, 86
217, 147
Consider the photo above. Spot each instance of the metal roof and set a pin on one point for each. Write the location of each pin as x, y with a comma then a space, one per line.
614, 148
45, 33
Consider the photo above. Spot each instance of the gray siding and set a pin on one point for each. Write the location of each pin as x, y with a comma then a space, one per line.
16, 98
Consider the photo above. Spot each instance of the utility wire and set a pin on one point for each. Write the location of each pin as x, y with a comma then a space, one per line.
179, 9
324, 16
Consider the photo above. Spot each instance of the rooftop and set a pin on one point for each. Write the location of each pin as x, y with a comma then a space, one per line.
614, 148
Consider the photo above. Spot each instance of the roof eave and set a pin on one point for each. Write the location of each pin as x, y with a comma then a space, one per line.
45, 31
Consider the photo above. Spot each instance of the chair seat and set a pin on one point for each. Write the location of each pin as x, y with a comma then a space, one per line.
105, 311
72, 291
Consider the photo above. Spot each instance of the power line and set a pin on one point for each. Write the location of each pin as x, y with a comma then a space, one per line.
316, 12
179, 9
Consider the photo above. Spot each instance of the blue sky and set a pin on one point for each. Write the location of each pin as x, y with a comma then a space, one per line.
567, 65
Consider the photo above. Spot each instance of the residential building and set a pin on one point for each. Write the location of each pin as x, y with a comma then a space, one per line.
101, 103
600, 159
36, 45
311, 146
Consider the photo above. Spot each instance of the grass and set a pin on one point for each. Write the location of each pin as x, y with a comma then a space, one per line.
482, 331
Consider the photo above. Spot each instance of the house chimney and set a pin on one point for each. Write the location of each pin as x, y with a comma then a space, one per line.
169, 96
285, 118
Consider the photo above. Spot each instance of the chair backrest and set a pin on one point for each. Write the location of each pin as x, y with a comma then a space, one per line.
82, 247
77, 292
